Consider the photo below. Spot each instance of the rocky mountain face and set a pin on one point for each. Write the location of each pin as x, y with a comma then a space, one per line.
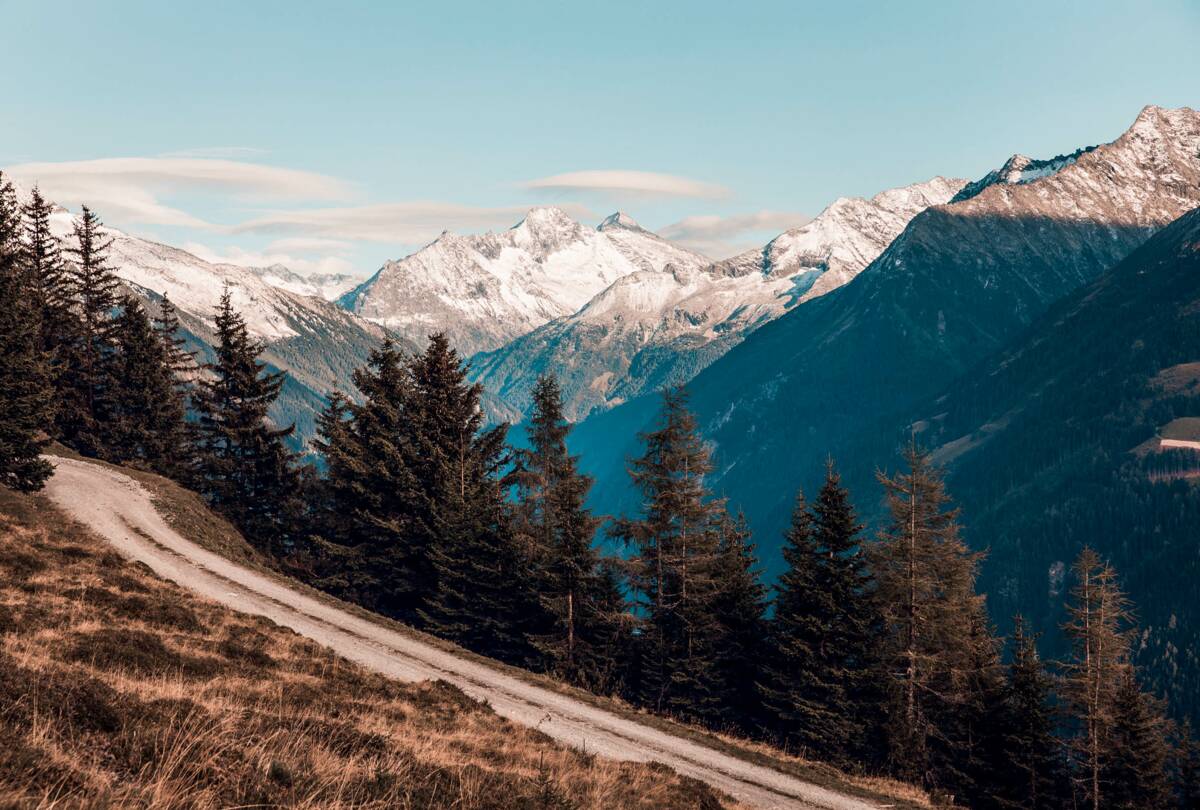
485, 290
961, 281
317, 342
1065, 438
658, 327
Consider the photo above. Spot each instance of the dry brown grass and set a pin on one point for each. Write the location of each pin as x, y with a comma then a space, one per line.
120, 690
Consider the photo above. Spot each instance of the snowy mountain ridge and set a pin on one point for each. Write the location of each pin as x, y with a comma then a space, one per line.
656, 327
486, 289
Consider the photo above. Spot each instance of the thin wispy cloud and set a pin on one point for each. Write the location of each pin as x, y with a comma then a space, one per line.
136, 189
405, 223
619, 182
724, 236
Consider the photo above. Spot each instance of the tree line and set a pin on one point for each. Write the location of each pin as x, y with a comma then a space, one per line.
872, 653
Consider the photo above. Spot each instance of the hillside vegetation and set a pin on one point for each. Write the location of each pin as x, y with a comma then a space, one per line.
120, 690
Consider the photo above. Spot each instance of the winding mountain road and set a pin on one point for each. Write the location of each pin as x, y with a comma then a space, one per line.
121, 511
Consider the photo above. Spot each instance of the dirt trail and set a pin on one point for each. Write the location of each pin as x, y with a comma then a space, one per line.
118, 509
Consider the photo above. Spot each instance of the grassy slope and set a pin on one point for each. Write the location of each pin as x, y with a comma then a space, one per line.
120, 690
188, 514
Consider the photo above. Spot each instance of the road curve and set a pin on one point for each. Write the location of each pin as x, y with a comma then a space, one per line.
120, 510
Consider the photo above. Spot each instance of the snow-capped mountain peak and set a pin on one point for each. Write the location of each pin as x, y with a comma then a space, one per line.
484, 290
620, 220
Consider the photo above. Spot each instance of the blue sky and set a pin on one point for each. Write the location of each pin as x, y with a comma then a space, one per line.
334, 138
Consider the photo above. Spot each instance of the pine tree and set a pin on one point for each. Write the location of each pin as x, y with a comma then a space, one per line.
180, 360
376, 525
739, 608
965, 723
672, 565
175, 433
1025, 759
242, 465
933, 619
86, 398
820, 684
1135, 764
485, 595
25, 395
560, 532
51, 287
1098, 627
147, 418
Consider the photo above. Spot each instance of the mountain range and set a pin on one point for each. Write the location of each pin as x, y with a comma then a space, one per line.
659, 327
484, 290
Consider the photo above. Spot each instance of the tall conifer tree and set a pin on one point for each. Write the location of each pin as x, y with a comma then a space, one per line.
1098, 627
560, 531
1025, 759
820, 682
180, 360
86, 398
376, 528
933, 618
25, 395
147, 417
673, 563
1135, 769
485, 595
51, 288
739, 608
242, 465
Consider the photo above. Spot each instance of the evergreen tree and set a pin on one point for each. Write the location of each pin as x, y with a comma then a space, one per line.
819, 686
1098, 627
485, 595
560, 532
379, 552
25, 395
87, 396
966, 722
934, 621
673, 563
51, 285
147, 418
242, 465
180, 360
739, 607
1026, 758
176, 434
1135, 769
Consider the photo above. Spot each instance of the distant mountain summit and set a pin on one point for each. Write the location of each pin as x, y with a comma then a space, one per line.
665, 323
487, 289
